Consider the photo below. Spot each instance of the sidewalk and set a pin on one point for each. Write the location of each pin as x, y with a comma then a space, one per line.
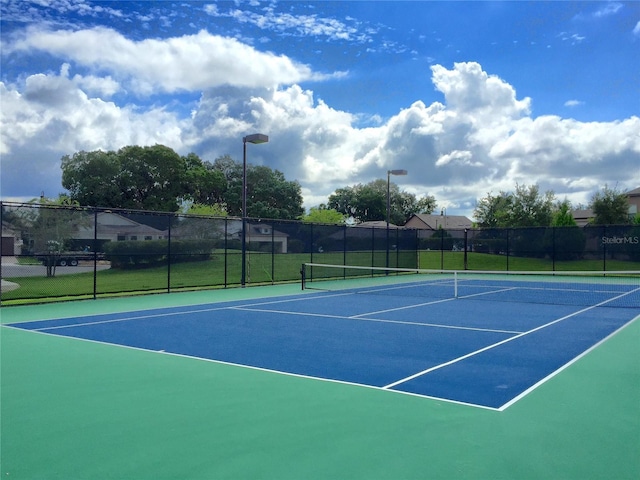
6, 286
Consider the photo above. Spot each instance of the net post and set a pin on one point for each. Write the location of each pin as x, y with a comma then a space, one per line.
303, 276
455, 284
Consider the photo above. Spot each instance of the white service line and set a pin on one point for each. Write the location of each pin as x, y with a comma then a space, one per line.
377, 320
502, 342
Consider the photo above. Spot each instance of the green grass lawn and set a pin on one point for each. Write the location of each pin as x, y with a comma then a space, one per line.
263, 268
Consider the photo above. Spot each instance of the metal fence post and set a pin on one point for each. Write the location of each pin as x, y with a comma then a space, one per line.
95, 253
169, 258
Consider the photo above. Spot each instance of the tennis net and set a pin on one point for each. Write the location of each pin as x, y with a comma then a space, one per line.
580, 288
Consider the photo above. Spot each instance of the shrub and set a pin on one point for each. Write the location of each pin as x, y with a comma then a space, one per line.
152, 253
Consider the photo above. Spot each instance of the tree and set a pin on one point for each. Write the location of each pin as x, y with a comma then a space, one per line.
91, 178
208, 210
562, 216
566, 241
494, 211
426, 204
148, 178
531, 209
610, 207
524, 208
203, 184
48, 226
369, 202
269, 193
322, 214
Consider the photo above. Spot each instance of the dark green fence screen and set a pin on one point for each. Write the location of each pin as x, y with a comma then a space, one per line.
57, 253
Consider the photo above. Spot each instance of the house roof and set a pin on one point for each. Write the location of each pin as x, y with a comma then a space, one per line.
377, 224
110, 223
585, 213
433, 222
634, 193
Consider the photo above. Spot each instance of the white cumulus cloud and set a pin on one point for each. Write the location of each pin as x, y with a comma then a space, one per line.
480, 137
186, 63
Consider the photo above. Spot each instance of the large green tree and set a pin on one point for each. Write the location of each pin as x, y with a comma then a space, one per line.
526, 207
269, 193
203, 184
147, 178
530, 208
493, 211
92, 178
610, 207
369, 202
322, 214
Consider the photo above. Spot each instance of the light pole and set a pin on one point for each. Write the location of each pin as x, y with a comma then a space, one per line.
253, 138
389, 173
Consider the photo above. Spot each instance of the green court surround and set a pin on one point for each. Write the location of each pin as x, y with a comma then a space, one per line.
73, 409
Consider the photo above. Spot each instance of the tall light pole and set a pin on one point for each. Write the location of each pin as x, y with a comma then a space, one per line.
389, 173
253, 138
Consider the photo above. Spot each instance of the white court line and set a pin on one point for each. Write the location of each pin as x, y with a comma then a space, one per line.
252, 367
489, 293
377, 320
395, 309
124, 319
565, 366
386, 388
161, 314
507, 340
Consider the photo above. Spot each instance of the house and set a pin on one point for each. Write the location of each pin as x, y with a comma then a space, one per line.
424, 221
633, 197
11, 241
584, 217
259, 233
116, 228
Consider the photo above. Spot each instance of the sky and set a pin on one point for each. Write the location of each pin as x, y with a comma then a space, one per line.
470, 98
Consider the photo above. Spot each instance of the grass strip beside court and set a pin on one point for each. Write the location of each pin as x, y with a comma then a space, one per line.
286, 267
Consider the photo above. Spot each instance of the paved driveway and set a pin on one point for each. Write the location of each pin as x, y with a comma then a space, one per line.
11, 269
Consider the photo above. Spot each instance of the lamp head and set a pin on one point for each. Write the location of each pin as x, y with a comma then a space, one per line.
397, 172
256, 138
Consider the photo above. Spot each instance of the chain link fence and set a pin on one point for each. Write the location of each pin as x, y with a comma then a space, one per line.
57, 253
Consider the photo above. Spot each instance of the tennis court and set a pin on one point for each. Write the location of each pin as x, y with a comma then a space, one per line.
454, 349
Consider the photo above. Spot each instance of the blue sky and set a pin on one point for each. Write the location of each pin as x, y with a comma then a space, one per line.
469, 97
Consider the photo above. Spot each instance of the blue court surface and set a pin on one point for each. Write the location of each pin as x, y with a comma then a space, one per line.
467, 350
